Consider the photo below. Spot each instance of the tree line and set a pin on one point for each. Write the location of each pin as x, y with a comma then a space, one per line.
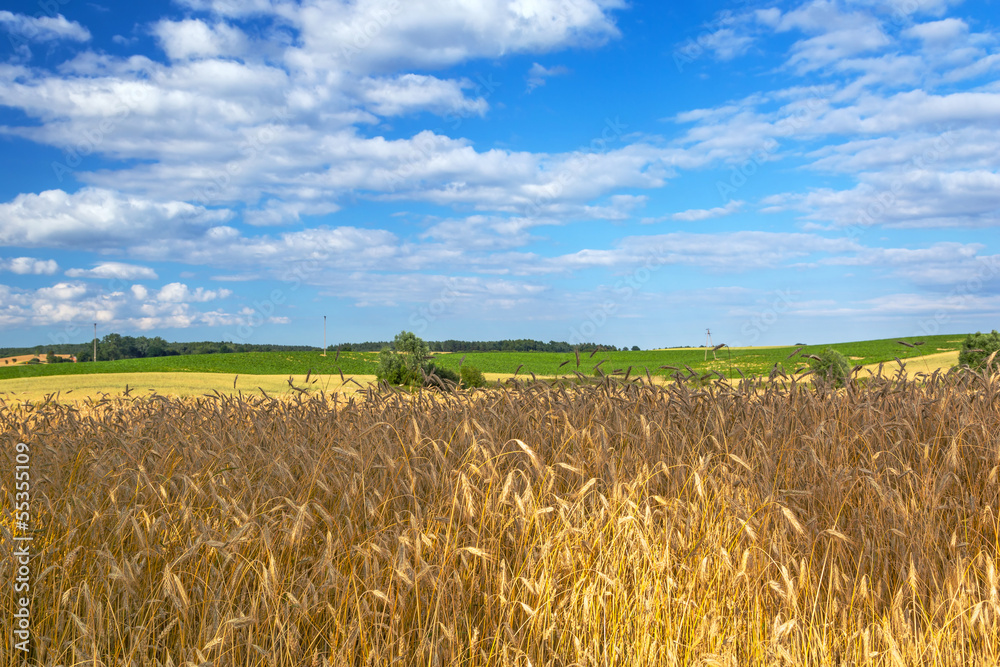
115, 346
516, 345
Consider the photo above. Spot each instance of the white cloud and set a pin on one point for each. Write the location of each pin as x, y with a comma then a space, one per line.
301, 256
914, 199
939, 33
538, 74
770, 17
371, 35
193, 38
181, 293
29, 266
43, 28
460, 293
275, 212
725, 252
74, 306
407, 93
696, 215
234, 8
290, 127
726, 43
940, 265
110, 270
96, 218
59, 304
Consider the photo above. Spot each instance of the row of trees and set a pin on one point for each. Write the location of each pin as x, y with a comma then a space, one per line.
518, 345
116, 346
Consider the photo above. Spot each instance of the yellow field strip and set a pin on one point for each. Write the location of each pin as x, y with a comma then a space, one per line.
926, 364
81, 387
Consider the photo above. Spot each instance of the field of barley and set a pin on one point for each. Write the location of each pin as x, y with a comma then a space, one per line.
618, 523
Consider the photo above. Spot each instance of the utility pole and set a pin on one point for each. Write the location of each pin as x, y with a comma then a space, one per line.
324, 335
95, 342
708, 344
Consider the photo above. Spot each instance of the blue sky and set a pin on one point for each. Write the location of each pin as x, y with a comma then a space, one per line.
629, 173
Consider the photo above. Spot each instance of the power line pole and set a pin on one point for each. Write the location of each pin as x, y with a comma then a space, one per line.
324, 335
95, 342
708, 344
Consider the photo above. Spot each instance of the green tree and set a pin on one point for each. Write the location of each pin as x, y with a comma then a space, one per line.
414, 351
831, 368
403, 363
977, 348
156, 347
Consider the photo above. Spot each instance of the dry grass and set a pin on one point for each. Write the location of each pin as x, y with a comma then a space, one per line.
604, 525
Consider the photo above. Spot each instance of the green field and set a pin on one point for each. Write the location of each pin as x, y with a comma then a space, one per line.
246, 363
748, 361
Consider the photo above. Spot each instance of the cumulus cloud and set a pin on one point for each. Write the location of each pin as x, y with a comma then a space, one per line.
97, 218
406, 93
24, 266
373, 36
193, 38
938, 33
72, 306
110, 270
181, 293
43, 28
301, 126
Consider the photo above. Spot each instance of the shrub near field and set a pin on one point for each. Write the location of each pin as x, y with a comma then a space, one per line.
611, 524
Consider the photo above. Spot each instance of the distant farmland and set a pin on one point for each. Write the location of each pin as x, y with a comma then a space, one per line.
731, 363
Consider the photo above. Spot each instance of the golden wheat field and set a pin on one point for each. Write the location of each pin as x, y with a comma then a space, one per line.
615, 524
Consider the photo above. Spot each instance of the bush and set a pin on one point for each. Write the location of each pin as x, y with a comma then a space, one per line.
831, 368
977, 348
472, 377
391, 368
443, 375
403, 363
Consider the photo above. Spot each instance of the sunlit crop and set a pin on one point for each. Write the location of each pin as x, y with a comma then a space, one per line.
611, 524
